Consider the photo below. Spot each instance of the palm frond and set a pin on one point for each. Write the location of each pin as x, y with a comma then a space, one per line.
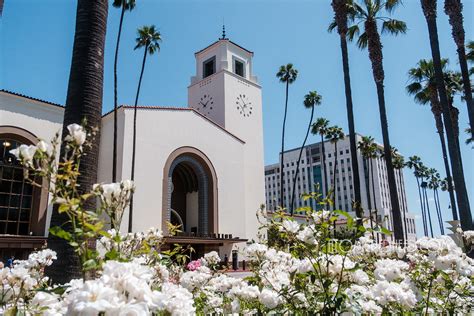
352, 32
414, 88
332, 26
390, 5
393, 26
470, 52
363, 41
422, 97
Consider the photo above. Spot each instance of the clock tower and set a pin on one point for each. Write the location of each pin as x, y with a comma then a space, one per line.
225, 90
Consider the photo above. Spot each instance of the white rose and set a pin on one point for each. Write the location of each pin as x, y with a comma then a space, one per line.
110, 191
269, 298
44, 147
290, 226
24, 152
77, 133
127, 184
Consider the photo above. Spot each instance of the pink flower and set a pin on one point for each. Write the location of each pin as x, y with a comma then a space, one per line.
193, 265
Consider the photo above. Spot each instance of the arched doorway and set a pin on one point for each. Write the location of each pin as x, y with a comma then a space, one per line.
190, 193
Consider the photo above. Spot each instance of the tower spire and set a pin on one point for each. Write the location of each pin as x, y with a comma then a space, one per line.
223, 30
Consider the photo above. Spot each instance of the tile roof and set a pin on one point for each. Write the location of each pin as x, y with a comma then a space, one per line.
146, 107
30, 98
171, 108
248, 51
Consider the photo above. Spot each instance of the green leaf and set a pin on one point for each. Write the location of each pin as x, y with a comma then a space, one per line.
63, 208
61, 233
89, 264
112, 255
350, 219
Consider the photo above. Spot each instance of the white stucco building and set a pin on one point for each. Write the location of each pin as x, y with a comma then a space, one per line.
312, 173
200, 166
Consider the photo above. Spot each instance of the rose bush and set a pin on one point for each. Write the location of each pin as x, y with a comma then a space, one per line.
304, 270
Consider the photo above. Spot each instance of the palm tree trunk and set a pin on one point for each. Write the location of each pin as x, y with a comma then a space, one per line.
130, 218
352, 134
373, 194
283, 147
367, 189
466, 86
440, 127
440, 215
84, 101
427, 204
323, 152
422, 205
404, 214
454, 10
334, 176
394, 201
299, 159
429, 9
114, 158
376, 58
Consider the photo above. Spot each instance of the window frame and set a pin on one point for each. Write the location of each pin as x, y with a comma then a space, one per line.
234, 66
205, 63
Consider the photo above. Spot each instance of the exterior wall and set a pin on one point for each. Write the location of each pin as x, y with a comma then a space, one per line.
40, 119
159, 133
106, 147
311, 162
250, 129
236, 154
225, 86
213, 86
224, 51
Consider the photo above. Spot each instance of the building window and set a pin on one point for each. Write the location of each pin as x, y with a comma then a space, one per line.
209, 67
16, 194
239, 68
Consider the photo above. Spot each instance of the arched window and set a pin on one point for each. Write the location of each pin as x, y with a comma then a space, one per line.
22, 205
16, 193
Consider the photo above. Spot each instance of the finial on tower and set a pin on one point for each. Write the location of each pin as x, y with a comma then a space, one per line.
223, 30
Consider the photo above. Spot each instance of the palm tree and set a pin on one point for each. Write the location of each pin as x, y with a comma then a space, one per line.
321, 127
310, 101
470, 55
429, 10
425, 174
453, 84
368, 14
124, 5
340, 20
433, 184
287, 75
423, 87
414, 162
453, 8
470, 139
150, 39
83, 101
334, 135
368, 150
398, 164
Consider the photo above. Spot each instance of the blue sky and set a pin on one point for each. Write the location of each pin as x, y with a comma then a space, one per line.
37, 38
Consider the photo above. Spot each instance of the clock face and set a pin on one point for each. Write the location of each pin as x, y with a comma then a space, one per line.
205, 104
244, 106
